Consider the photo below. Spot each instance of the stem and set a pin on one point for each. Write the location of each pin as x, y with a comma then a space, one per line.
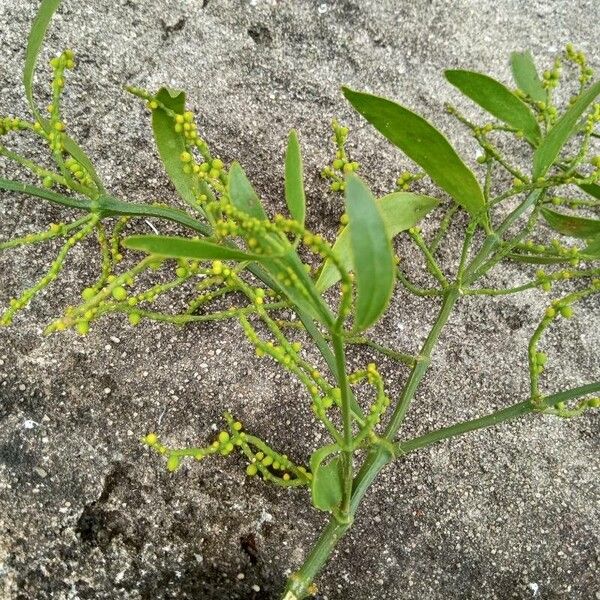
499, 416
377, 458
347, 450
421, 365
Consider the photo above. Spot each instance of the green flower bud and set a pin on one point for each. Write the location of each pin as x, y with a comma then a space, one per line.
119, 293
173, 462
150, 439
566, 311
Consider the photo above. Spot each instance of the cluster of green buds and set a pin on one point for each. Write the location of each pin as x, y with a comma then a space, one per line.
554, 249
590, 126
341, 164
78, 172
56, 127
378, 406
578, 58
551, 77
406, 179
559, 308
539, 361
17, 304
9, 123
262, 459
564, 411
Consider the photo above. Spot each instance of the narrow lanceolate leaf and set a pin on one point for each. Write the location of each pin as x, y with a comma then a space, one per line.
327, 483
171, 145
593, 189
526, 76
372, 256
564, 128
424, 144
498, 100
400, 211
242, 194
34, 45
294, 184
180, 247
570, 225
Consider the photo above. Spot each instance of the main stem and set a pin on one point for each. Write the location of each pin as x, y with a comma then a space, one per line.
347, 451
300, 582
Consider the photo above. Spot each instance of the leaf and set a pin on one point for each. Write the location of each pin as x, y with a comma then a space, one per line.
171, 144
560, 133
181, 247
572, 226
46, 194
34, 45
290, 274
372, 256
526, 76
75, 150
400, 211
593, 189
327, 483
110, 205
424, 144
294, 185
593, 247
242, 194
497, 99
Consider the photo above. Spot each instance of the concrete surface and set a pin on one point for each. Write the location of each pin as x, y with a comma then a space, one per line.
86, 512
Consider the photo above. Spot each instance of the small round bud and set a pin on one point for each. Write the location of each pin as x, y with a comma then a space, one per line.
151, 439
566, 311
119, 293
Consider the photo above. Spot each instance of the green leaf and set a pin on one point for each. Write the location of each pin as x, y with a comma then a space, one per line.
497, 99
572, 226
171, 145
242, 194
400, 211
560, 133
181, 247
526, 76
75, 150
424, 144
593, 247
327, 483
290, 274
34, 45
372, 256
46, 194
294, 184
593, 189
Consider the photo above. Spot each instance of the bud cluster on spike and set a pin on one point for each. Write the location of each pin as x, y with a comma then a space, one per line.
341, 164
274, 467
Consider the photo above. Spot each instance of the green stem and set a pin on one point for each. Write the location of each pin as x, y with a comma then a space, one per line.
421, 364
347, 450
495, 418
377, 458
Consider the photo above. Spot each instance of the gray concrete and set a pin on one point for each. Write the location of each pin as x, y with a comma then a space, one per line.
86, 512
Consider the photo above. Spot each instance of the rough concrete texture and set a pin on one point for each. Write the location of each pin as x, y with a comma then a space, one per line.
86, 512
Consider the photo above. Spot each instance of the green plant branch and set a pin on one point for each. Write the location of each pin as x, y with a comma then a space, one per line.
495, 418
